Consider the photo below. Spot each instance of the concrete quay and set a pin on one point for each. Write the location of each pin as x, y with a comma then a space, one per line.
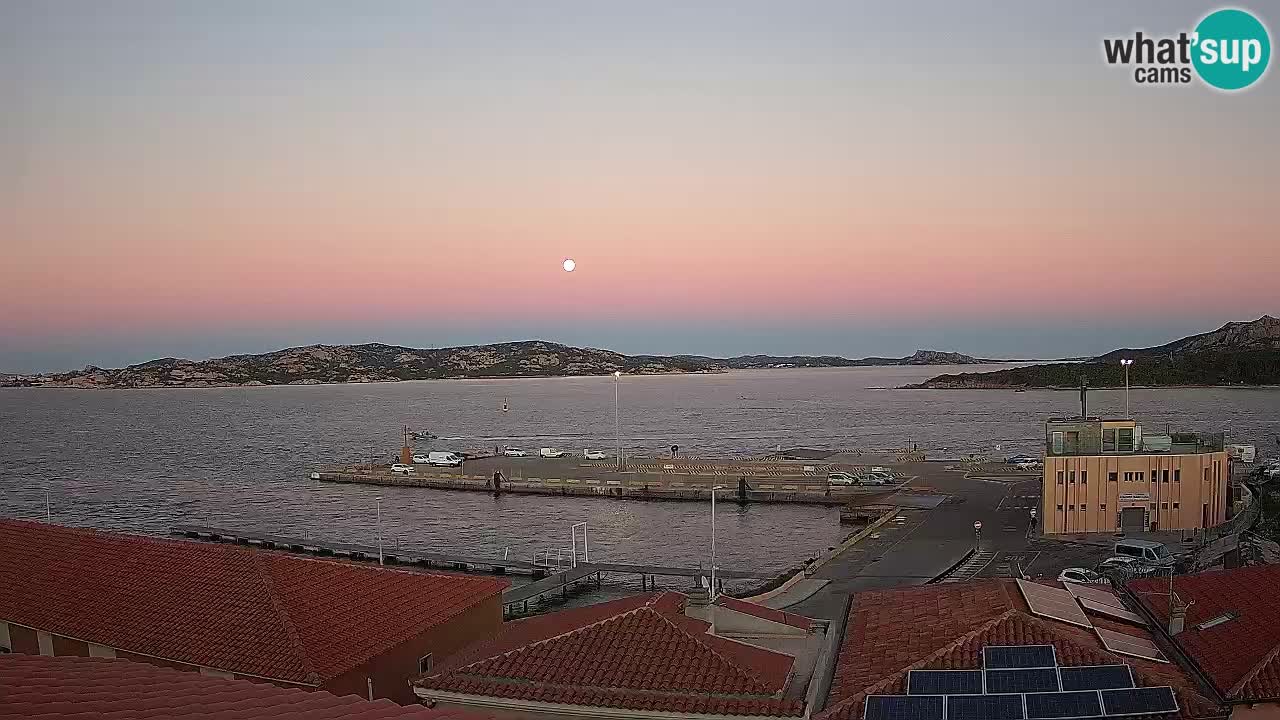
643, 479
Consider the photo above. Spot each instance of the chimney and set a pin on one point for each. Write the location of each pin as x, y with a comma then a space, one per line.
1177, 617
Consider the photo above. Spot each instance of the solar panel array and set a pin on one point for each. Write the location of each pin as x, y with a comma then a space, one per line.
1021, 682
1112, 611
1131, 645
1053, 603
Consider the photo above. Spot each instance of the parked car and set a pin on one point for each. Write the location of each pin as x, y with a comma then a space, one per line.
514, 452
1145, 551
402, 468
1084, 576
594, 454
1116, 562
445, 459
841, 478
420, 458
1020, 459
550, 453
878, 478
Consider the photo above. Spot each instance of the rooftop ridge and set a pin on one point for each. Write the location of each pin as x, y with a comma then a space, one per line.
263, 573
744, 673
1253, 672
521, 682
536, 643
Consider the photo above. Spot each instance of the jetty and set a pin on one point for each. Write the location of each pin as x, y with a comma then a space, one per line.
549, 577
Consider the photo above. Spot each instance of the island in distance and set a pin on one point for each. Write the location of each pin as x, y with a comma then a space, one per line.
375, 362
1238, 353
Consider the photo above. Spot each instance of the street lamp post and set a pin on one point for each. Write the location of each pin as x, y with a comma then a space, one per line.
379, 531
617, 424
713, 541
1125, 363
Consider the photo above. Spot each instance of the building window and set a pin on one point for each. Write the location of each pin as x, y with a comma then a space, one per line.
1060, 474
1103, 507
1138, 476
1177, 474
1057, 443
1128, 476
1164, 476
1175, 506
1124, 439
1083, 508
1109, 440
424, 664
1206, 473
1084, 477
1111, 476
1071, 507
1153, 506
1072, 479
1059, 508
1164, 506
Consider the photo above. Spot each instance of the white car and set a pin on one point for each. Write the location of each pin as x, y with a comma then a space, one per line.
841, 478
1084, 576
402, 468
550, 453
420, 459
1117, 562
594, 454
514, 452
878, 478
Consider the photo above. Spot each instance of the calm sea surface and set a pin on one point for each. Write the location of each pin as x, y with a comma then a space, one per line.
239, 457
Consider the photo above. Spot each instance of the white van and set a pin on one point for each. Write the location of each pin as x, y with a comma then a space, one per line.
550, 453
1145, 552
447, 459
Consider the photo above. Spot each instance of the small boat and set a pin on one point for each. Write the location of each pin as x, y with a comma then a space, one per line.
424, 435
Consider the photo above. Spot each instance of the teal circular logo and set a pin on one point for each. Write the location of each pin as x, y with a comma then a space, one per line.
1232, 49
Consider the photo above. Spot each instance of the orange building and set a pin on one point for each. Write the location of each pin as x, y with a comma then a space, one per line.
1106, 476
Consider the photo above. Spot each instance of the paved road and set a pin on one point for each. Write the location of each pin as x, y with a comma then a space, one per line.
924, 545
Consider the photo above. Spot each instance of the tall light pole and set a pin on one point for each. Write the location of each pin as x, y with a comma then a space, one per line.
617, 424
712, 596
1125, 363
379, 531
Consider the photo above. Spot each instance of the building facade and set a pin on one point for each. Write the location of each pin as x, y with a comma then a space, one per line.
1105, 476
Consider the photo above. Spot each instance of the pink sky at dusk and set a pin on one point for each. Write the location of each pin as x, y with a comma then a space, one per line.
417, 175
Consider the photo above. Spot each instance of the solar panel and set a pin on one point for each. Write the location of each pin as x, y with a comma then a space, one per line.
984, 707
1058, 705
1022, 681
944, 682
995, 657
1139, 701
1132, 645
1096, 677
1096, 594
903, 707
1053, 603
1112, 611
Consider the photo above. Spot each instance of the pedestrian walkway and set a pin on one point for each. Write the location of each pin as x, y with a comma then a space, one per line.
971, 567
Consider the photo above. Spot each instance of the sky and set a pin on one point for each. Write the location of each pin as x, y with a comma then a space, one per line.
194, 179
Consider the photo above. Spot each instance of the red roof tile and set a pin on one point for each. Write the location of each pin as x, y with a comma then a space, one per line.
1240, 655
34, 687
890, 632
765, 613
231, 608
639, 653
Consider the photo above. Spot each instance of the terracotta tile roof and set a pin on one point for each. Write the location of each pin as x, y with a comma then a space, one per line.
1240, 655
945, 627
639, 653
34, 687
765, 613
231, 608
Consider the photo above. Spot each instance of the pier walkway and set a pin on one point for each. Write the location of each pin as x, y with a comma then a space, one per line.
548, 579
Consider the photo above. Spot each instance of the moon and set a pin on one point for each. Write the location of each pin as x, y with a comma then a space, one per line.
569, 264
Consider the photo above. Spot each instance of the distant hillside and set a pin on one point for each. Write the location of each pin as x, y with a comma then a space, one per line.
375, 362
921, 357
1238, 353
